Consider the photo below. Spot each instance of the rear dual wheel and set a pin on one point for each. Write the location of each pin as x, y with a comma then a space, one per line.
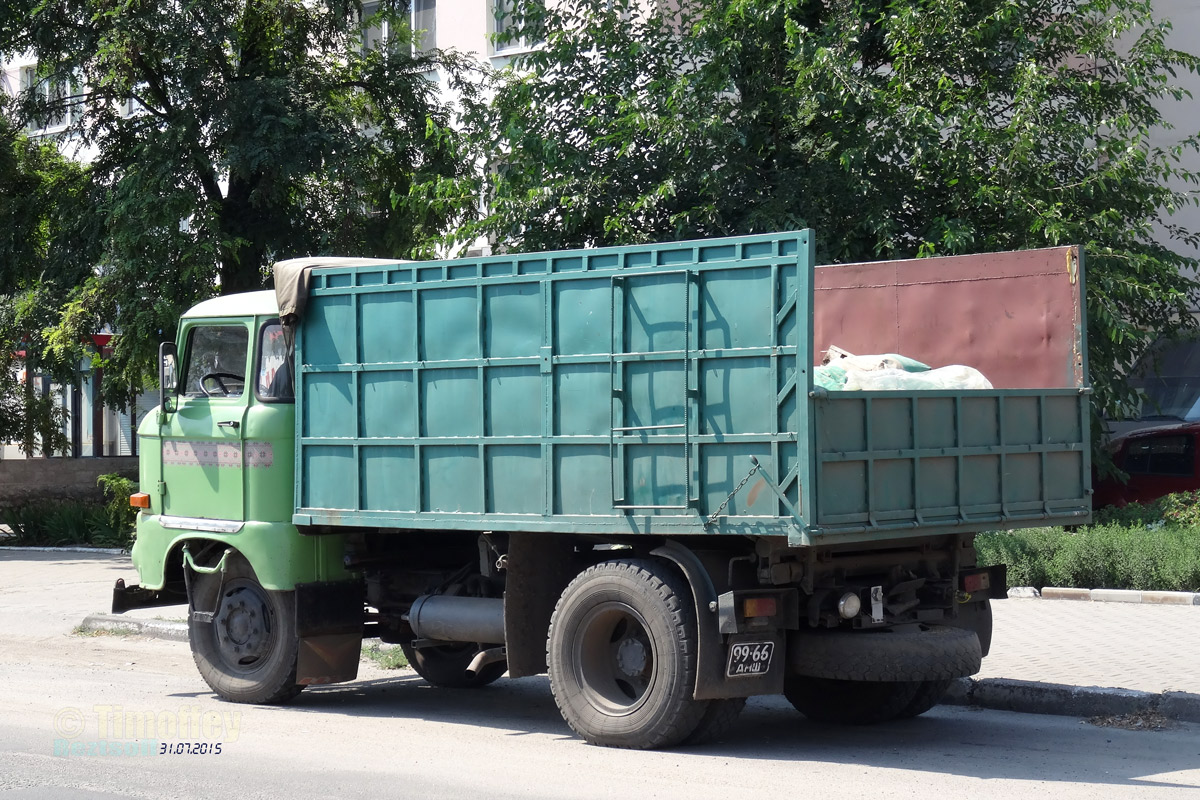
622, 658
862, 702
446, 666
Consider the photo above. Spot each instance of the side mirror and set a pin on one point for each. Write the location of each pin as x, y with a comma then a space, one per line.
167, 377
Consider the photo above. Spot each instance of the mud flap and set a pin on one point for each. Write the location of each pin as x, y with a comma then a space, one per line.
329, 624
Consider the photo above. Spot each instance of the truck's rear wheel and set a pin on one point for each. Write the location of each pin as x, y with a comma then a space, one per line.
248, 652
928, 695
446, 666
851, 702
622, 655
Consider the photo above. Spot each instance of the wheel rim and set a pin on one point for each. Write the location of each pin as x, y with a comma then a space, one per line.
615, 658
245, 635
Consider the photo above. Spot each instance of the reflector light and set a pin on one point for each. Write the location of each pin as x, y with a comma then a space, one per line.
976, 582
139, 500
759, 607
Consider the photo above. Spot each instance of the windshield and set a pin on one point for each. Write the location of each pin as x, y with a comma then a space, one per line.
216, 361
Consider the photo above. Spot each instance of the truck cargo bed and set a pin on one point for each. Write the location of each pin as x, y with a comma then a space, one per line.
626, 390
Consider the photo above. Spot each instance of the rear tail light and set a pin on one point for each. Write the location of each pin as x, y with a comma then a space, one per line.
759, 607
976, 582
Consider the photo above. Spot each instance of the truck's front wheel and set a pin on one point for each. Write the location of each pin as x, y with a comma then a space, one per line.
247, 653
622, 655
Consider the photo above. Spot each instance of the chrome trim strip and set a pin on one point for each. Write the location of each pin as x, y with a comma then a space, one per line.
201, 524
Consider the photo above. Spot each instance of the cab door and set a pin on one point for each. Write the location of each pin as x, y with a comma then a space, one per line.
202, 440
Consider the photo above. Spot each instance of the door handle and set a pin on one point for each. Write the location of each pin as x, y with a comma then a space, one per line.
229, 423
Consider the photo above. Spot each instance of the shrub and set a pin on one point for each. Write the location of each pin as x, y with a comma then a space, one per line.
1181, 509
120, 518
1107, 556
1130, 515
60, 523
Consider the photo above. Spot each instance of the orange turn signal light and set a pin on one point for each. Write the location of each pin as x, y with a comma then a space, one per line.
759, 607
139, 500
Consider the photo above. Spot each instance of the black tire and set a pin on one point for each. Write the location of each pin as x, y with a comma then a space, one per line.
248, 653
717, 720
622, 655
929, 694
850, 702
446, 666
933, 653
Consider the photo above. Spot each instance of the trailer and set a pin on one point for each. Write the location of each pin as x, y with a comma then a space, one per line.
617, 466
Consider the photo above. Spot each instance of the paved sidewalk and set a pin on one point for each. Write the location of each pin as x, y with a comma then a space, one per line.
1145, 647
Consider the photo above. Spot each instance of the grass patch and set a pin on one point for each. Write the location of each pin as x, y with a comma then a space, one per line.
92, 632
384, 657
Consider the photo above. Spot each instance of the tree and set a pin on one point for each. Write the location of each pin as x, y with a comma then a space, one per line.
895, 128
41, 197
225, 133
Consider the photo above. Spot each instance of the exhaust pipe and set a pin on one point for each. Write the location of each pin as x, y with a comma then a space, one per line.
485, 657
448, 618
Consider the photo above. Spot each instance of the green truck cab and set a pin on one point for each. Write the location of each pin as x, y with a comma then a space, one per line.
616, 466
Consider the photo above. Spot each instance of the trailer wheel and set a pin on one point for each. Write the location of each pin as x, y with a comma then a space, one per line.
851, 702
446, 666
622, 655
248, 652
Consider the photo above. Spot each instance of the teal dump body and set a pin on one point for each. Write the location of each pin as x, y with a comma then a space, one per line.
633, 390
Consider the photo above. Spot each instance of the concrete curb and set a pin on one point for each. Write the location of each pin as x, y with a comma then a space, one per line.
998, 694
1031, 697
154, 628
108, 551
1108, 595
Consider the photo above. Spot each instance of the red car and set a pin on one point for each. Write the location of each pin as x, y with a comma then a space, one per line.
1159, 460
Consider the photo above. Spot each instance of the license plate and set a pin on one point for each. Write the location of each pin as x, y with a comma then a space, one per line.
747, 659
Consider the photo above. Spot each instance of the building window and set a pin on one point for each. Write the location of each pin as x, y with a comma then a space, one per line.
422, 21
512, 32
64, 100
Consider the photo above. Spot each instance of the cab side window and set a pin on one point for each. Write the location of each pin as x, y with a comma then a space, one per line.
216, 361
274, 381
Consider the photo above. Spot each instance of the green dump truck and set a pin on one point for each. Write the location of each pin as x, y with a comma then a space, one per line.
619, 466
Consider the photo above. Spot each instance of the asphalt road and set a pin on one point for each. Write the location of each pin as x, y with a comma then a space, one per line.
71, 706
391, 735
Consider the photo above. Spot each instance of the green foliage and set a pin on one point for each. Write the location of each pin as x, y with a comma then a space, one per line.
385, 657
895, 128
1181, 509
120, 518
1131, 515
226, 134
59, 524
1110, 556
62, 523
43, 255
